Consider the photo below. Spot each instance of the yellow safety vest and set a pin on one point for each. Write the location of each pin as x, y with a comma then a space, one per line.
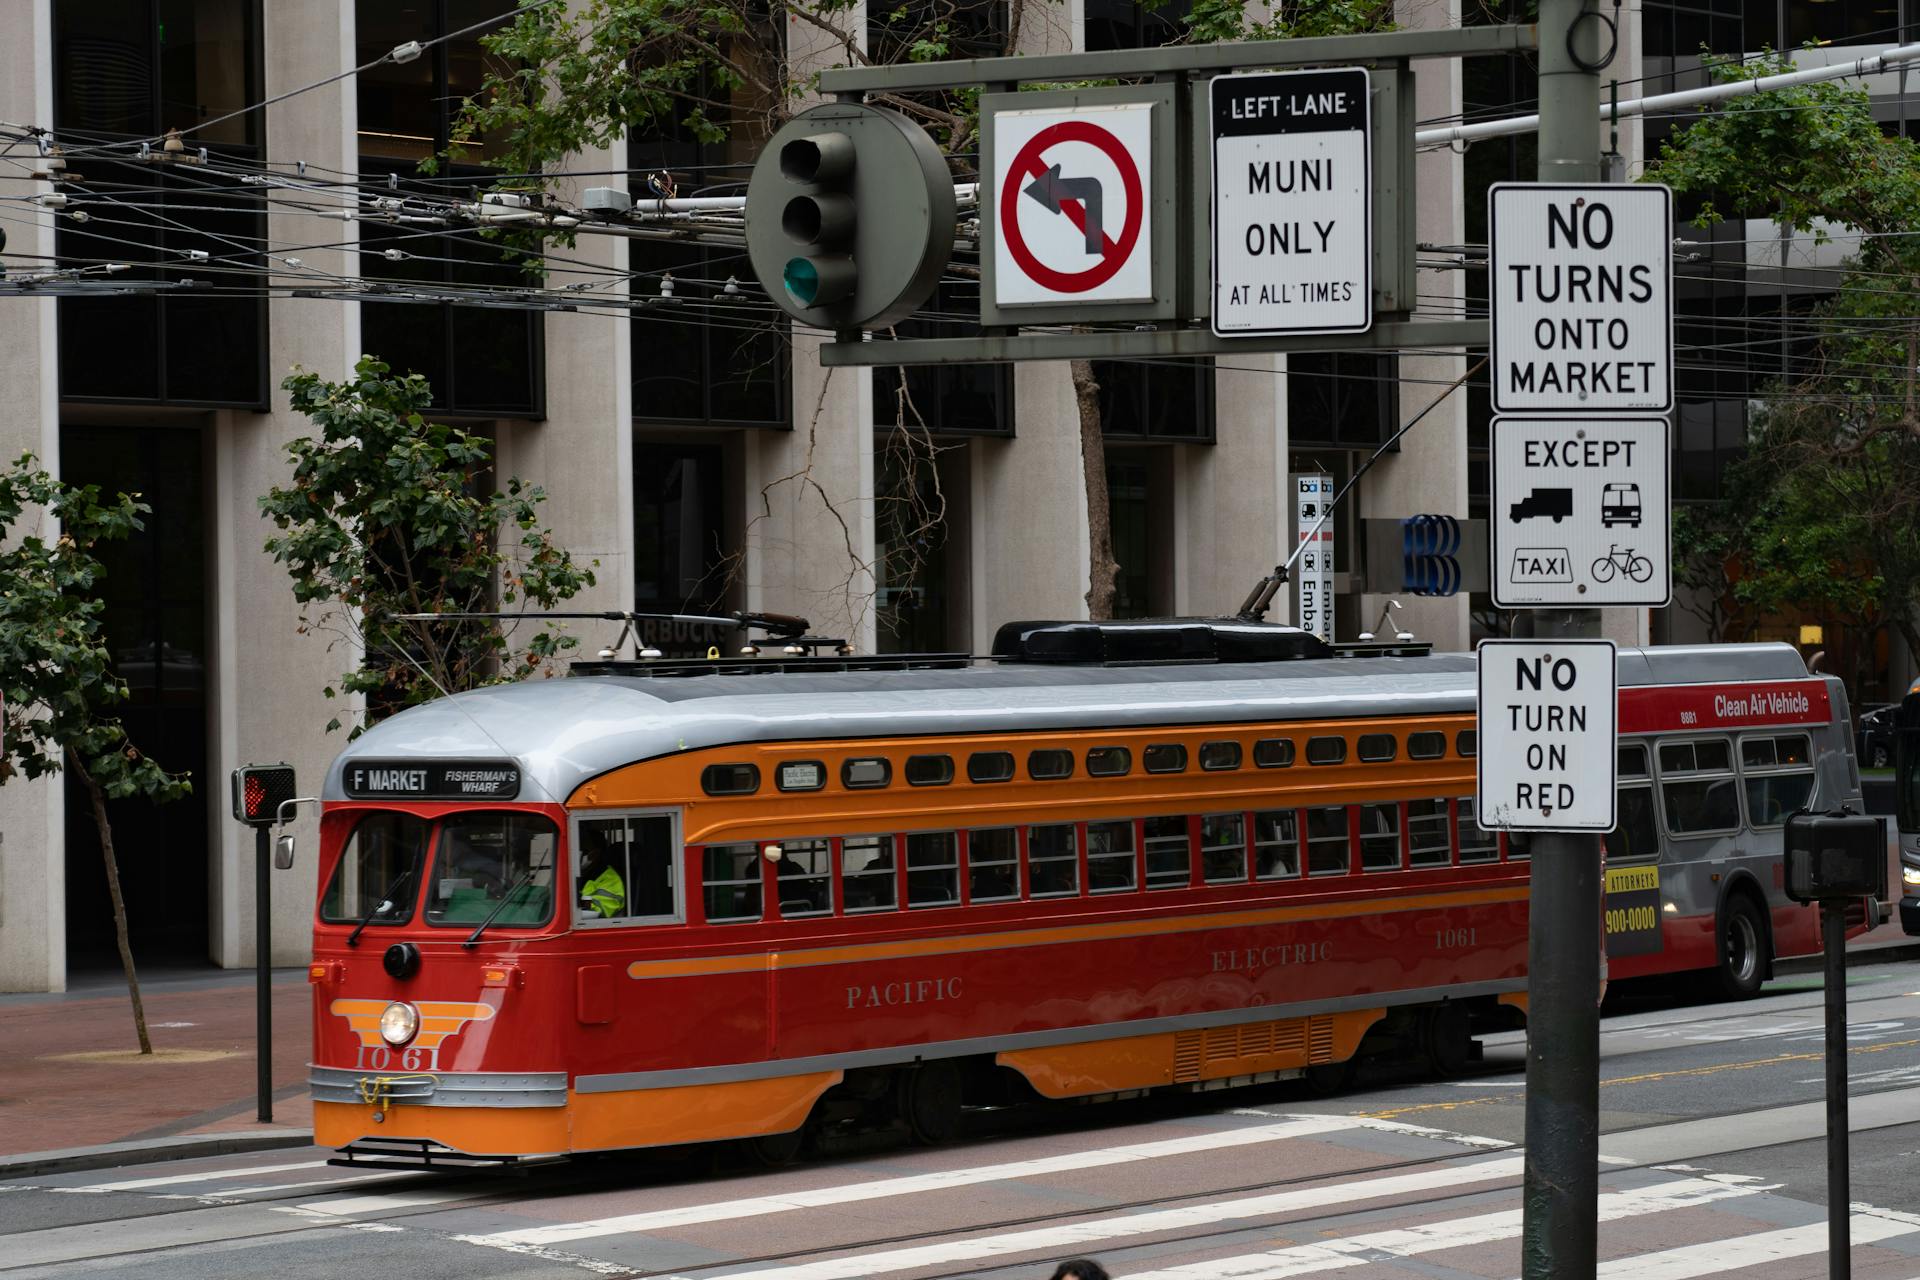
607, 892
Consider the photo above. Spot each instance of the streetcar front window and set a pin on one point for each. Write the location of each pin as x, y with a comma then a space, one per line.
377, 877
493, 861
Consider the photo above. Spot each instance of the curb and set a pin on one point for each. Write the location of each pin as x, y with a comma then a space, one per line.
189, 1146
1892, 953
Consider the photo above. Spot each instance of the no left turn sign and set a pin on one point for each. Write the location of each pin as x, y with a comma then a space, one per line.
1072, 217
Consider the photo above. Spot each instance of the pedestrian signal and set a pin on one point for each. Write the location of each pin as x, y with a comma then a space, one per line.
258, 790
850, 217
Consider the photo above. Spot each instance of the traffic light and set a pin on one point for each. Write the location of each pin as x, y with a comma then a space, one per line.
850, 217
258, 790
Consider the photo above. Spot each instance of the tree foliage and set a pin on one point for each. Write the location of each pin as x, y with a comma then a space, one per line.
390, 514
1826, 510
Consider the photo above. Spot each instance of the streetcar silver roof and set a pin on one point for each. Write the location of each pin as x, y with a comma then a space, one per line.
564, 732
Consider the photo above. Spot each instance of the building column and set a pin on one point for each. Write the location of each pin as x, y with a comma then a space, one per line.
33, 845
582, 454
809, 491
265, 700
1429, 474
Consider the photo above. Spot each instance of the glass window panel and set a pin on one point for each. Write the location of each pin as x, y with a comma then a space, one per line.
866, 772
1426, 746
1165, 757
929, 771
1049, 764
866, 873
1378, 748
1215, 756
731, 876
1637, 834
1706, 805
682, 546
1429, 842
1327, 852
1477, 844
377, 877
803, 875
485, 863
1467, 743
730, 779
1276, 844
933, 869
1326, 750
1632, 761
1108, 762
1223, 847
1771, 797
1713, 754
1053, 860
1793, 750
990, 766
1169, 852
1273, 753
206, 62
103, 52
1758, 753
1109, 856
1676, 757
1380, 837
993, 864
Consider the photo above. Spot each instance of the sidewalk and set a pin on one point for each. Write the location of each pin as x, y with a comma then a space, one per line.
72, 1076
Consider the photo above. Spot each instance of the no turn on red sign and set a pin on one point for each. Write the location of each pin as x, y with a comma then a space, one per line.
1072, 204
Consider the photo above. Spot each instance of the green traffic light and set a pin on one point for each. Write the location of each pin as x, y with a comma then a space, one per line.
802, 279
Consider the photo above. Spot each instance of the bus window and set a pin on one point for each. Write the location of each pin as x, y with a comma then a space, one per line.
1276, 844
1053, 860
1696, 782
1477, 844
485, 862
866, 874
1169, 850
1632, 761
1327, 840
993, 864
1779, 777
1223, 848
802, 878
1428, 844
1379, 837
933, 867
1109, 856
730, 875
377, 879
1638, 832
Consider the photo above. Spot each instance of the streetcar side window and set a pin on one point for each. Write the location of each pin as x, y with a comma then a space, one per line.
1216, 756
929, 771
1276, 844
378, 876
1053, 860
1049, 764
1327, 853
802, 876
1428, 844
1467, 743
1378, 748
990, 766
866, 772
1169, 850
1109, 762
730, 877
993, 864
624, 870
1698, 787
1165, 757
1273, 753
866, 874
1477, 844
1426, 746
1326, 750
1109, 856
1223, 848
1379, 837
933, 868
730, 779
1778, 773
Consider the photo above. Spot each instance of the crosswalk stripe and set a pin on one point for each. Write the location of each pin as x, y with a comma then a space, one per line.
1451, 1233
1713, 1257
271, 1188
848, 1193
350, 1206
206, 1175
1072, 1236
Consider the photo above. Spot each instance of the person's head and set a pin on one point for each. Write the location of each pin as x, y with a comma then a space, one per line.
1080, 1269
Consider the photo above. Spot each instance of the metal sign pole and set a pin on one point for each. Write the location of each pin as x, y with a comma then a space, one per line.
1833, 936
1560, 1230
263, 970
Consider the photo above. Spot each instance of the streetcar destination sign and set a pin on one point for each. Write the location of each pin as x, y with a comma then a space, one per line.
431, 779
1548, 720
1581, 279
1292, 202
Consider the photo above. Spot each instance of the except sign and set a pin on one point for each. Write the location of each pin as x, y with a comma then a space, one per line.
1580, 512
1071, 210
1292, 203
1546, 756
1582, 298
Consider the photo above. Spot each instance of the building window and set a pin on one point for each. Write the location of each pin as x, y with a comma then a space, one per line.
700, 354
955, 399
131, 69
1341, 400
1170, 400
485, 361
683, 556
1126, 24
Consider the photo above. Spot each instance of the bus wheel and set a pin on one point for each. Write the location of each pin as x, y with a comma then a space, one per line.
777, 1150
1743, 948
928, 1097
1446, 1040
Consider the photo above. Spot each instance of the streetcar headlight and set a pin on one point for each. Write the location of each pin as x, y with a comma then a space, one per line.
398, 1023
1910, 875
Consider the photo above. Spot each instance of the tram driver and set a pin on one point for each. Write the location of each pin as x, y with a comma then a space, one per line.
602, 892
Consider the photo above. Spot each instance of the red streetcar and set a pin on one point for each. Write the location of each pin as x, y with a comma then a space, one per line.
672, 902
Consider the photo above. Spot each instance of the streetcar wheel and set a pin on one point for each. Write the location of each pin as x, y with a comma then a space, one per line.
1325, 1079
929, 1100
1446, 1040
777, 1150
1743, 949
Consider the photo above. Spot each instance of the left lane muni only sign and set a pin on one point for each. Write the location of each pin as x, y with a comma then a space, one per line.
1548, 729
1292, 203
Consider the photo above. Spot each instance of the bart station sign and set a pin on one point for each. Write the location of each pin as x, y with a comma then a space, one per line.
1548, 715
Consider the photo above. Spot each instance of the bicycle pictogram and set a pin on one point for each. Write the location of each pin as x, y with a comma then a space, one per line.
1622, 560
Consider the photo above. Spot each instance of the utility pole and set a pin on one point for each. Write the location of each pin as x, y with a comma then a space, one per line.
1560, 1228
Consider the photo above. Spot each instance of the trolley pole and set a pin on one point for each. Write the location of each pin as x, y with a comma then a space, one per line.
1560, 1229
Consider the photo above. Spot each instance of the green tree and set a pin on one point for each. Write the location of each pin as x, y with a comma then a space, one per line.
1831, 489
389, 514
57, 683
